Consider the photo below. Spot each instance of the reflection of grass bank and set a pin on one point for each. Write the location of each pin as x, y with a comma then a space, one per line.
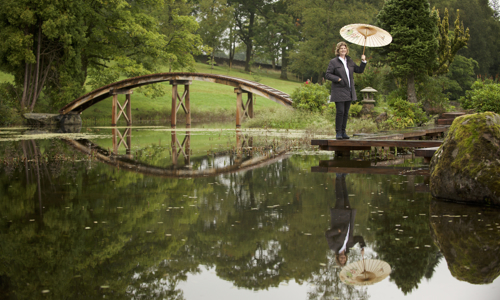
282, 117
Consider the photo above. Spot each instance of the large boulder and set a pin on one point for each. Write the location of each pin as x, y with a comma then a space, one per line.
466, 167
468, 238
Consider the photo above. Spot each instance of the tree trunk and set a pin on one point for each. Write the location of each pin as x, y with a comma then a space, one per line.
35, 95
411, 94
25, 86
284, 64
213, 57
248, 55
249, 42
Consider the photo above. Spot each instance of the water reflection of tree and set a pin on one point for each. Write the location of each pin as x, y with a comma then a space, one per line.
402, 236
327, 284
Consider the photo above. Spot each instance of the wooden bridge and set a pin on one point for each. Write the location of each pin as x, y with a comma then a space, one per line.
241, 86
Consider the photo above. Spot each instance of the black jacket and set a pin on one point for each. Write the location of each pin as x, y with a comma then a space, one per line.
340, 219
340, 91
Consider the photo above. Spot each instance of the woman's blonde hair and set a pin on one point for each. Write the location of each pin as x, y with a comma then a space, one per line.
337, 48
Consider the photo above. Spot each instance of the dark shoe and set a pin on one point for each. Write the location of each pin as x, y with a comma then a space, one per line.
344, 136
338, 136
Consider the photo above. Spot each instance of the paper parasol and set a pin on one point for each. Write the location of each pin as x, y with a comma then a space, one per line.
366, 35
365, 272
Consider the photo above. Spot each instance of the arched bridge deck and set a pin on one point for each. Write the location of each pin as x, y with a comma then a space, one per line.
176, 78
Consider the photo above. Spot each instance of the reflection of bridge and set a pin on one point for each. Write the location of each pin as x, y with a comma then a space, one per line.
179, 148
175, 79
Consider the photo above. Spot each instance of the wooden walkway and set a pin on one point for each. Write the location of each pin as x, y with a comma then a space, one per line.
353, 144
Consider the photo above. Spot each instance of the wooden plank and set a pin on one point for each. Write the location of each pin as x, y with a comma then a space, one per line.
396, 136
372, 170
377, 143
347, 149
437, 129
444, 121
426, 152
414, 133
452, 115
319, 142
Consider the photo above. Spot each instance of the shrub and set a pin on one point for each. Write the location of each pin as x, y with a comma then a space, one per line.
405, 114
484, 96
310, 97
355, 109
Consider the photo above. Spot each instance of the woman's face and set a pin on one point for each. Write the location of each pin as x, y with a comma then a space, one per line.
343, 50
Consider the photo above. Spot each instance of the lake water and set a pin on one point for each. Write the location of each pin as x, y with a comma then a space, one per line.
151, 213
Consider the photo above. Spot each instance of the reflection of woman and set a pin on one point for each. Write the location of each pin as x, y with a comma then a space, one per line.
340, 236
340, 72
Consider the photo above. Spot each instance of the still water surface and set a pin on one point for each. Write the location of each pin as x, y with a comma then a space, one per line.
152, 213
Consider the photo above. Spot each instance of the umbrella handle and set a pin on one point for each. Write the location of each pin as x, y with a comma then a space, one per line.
364, 46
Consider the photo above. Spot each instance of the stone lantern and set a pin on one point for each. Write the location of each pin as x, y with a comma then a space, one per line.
368, 101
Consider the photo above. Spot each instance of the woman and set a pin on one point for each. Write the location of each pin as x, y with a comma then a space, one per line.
341, 73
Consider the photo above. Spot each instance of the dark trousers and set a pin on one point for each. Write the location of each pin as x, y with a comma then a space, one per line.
341, 116
341, 195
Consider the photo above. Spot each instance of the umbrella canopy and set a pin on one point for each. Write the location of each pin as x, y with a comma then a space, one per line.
366, 35
365, 272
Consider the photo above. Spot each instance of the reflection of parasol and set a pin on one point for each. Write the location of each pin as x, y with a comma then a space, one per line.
365, 272
366, 35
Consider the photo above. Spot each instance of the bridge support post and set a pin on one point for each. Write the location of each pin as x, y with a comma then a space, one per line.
183, 148
125, 140
126, 109
186, 105
243, 110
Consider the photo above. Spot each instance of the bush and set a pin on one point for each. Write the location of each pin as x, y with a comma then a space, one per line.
484, 96
355, 109
405, 114
310, 97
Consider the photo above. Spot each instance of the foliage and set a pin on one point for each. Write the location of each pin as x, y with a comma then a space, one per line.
448, 47
432, 95
479, 17
9, 113
414, 30
461, 75
484, 96
405, 114
355, 109
310, 97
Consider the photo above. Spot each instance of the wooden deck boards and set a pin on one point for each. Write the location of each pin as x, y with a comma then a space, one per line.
353, 143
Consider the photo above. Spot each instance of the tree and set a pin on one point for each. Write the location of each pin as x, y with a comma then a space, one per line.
448, 48
216, 19
413, 27
245, 15
277, 34
51, 47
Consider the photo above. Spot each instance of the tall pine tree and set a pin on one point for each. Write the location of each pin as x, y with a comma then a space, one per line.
414, 30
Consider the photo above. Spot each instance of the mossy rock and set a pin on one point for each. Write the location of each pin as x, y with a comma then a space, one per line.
466, 167
467, 236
